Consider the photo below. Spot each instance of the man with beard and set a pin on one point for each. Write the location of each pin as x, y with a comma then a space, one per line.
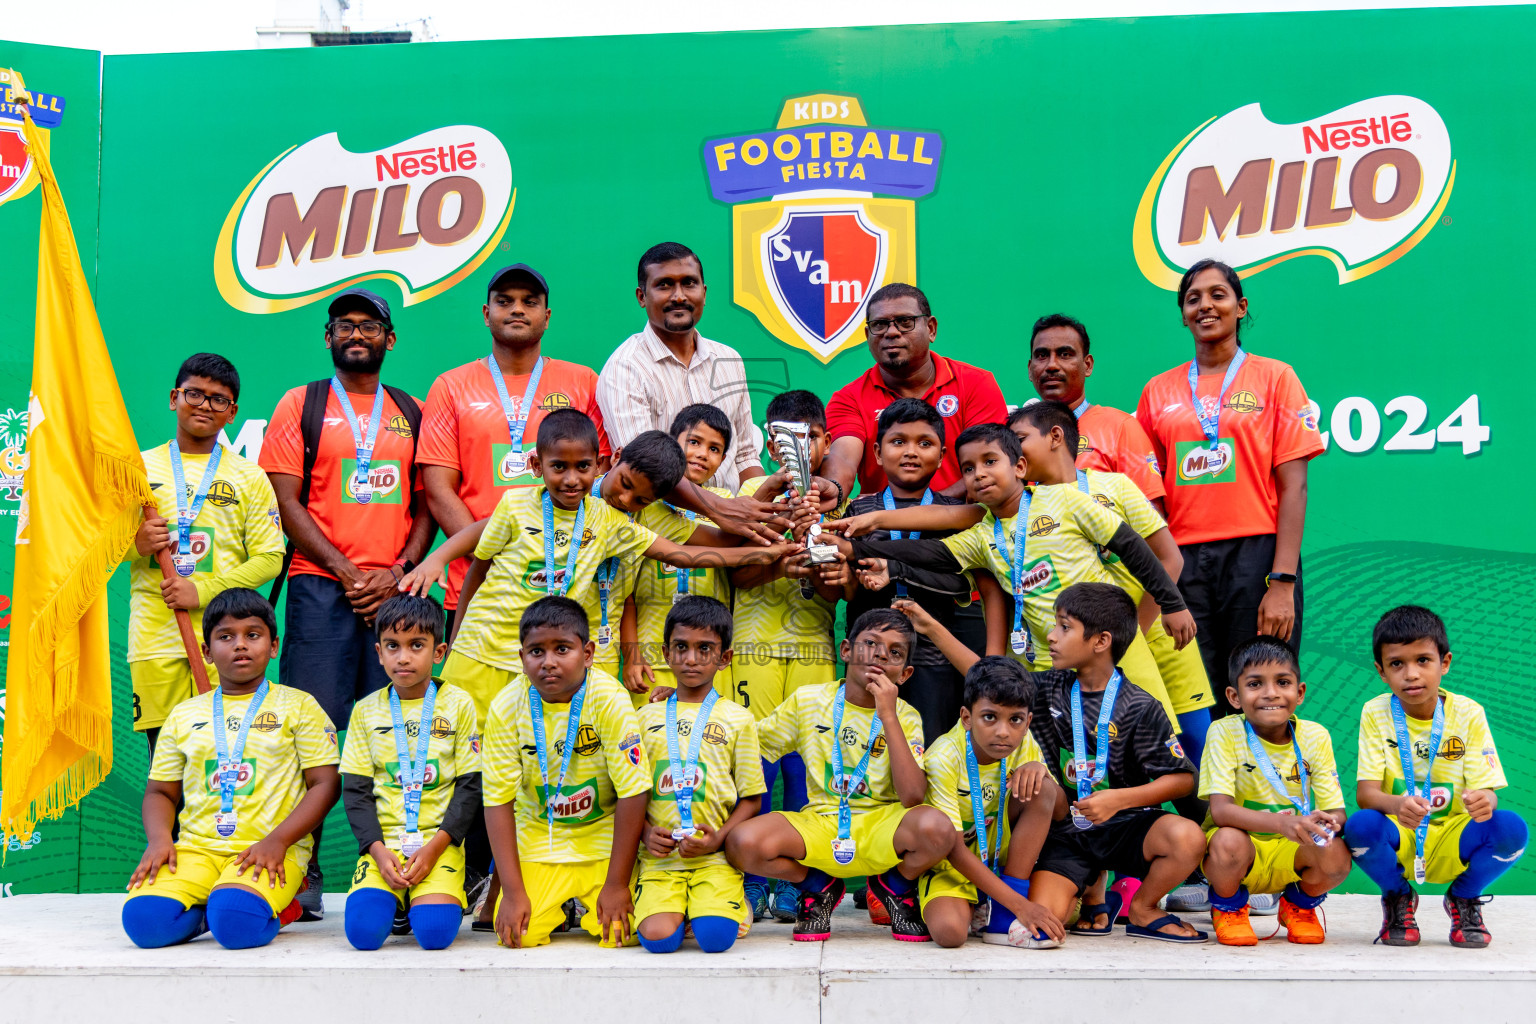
341, 458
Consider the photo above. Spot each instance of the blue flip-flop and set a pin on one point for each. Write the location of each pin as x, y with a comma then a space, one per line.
1111, 907
1150, 931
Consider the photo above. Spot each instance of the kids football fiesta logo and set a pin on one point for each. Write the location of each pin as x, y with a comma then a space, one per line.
836, 218
424, 213
1359, 186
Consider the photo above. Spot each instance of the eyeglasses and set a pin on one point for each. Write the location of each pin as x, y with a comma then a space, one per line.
194, 397
904, 324
343, 329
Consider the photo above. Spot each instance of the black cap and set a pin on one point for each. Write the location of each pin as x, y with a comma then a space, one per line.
352, 298
521, 269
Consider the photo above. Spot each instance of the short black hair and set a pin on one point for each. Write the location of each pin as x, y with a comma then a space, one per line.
700, 613
1260, 650
1060, 320
908, 410
1102, 608
995, 433
666, 252
237, 603
212, 366
1407, 623
658, 458
1000, 680
566, 425
798, 407
709, 415
1045, 414
555, 612
884, 620
897, 290
408, 613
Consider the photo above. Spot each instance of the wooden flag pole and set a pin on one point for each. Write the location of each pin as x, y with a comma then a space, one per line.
183, 619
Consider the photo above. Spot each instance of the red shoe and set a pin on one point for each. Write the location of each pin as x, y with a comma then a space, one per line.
877, 914
289, 914
1398, 925
1467, 928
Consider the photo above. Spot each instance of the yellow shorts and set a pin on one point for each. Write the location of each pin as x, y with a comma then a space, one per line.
445, 879
1442, 849
873, 834
159, 684
550, 885
481, 681
1183, 671
1274, 863
760, 683
943, 879
1140, 667
712, 890
198, 871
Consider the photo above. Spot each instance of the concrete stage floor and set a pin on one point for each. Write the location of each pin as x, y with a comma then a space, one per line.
64, 959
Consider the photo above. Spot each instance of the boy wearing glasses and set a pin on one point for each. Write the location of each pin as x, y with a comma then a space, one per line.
218, 518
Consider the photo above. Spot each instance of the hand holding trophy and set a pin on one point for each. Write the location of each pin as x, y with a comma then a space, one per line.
790, 443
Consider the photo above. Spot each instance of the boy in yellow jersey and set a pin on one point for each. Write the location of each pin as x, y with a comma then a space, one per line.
411, 784
863, 819
1427, 786
231, 536
566, 782
1276, 810
704, 434
552, 540
253, 766
708, 780
988, 777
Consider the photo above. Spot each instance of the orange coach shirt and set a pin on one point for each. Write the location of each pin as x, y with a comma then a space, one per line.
371, 535
1112, 441
1265, 420
463, 427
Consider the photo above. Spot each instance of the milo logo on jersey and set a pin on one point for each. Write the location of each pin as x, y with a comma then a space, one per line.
968, 824
245, 783
1069, 767
1040, 576
575, 805
1199, 463
430, 778
201, 540
1440, 797
829, 784
383, 476
510, 471
662, 783
823, 214
536, 577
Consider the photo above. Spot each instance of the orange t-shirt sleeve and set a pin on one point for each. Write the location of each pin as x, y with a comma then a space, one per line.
282, 449
1295, 426
439, 442
1135, 446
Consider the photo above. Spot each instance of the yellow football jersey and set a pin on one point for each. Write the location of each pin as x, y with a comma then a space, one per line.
776, 620
730, 768
607, 765
1228, 767
949, 783
1467, 758
1066, 529
804, 723
289, 734
1116, 492
237, 540
655, 582
514, 541
453, 749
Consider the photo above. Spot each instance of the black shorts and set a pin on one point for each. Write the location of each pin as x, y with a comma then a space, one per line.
327, 649
1080, 854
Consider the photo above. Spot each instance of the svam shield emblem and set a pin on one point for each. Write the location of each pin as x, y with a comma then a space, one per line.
16, 179
822, 263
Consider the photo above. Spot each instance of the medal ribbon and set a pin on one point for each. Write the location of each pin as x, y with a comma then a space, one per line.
362, 445
541, 746
1405, 752
1211, 425
684, 783
979, 804
186, 514
888, 499
1016, 563
413, 774
1085, 780
515, 427
550, 587
1272, 775
681, 571
229, 760
1081, 408
842, 780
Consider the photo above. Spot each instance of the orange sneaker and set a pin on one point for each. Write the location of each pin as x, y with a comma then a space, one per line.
289, 914
877, 914
1232, 927
1301, 925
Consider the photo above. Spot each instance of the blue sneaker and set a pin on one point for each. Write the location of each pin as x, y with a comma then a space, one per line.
757, 899
786, 899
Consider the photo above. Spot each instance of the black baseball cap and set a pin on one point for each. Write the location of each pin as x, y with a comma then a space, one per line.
355, 298
517, 269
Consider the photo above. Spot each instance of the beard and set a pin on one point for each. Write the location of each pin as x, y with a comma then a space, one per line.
344, 357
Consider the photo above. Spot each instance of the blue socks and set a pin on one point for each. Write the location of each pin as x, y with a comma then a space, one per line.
1193, 725
1372, 838
792, 766
1297, 897
370, 915
770, 774
815, 881
156, 921
1231, 904
1489, 848
666, 945
435, 925
896, 882
714, 934
1001, 917
240, 919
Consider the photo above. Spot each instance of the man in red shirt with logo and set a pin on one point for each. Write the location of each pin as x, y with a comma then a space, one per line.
355, 521
901, 329
476, 433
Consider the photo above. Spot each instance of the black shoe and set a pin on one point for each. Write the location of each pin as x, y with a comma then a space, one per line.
1398, 925
574, 912
861, 897
813, 918
311, 897
906, 916
402, 925
1467, 928
476, 885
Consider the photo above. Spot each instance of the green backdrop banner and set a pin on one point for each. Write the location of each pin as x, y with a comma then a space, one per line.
1361, 166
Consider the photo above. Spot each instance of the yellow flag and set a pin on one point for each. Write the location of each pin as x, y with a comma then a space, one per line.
82, 490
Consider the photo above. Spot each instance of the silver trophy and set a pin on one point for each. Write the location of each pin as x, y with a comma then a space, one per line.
791, 444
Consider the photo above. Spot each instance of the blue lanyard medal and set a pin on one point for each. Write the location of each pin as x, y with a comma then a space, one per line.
184, 560
1211, 425
888, 499
1272, 776
843, 848
1020, 639
556, 585
685, 774
541, 746
979, 805
1410, 782
681, 571
225, 820
362, 487
413, 774
1091, 773
517, 460
607, 572
1082, 407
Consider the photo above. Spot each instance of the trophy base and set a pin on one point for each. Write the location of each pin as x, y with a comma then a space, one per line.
820, 554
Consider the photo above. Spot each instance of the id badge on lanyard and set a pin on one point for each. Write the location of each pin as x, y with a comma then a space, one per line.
685, 777
185, 560
362, 486
552, 586
413, 774
1210, 425
1410, 781
1091, 773
517, 459
541, 747
1019, 639
843, 847
230, 761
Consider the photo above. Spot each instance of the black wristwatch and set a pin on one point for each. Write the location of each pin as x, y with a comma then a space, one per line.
1280, 577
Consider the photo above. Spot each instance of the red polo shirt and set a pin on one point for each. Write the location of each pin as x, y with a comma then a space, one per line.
964, 395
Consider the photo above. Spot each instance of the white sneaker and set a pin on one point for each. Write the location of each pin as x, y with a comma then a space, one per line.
1264, 904
1188, 899
1021, 937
